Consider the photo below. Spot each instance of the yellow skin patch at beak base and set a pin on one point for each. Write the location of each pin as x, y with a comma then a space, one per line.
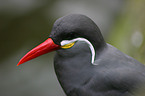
68, 45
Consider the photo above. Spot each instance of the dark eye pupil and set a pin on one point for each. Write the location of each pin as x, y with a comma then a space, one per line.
71, 36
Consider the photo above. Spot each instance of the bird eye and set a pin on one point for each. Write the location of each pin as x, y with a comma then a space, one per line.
70, 36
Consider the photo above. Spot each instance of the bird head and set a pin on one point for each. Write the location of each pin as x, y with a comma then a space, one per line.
65, 33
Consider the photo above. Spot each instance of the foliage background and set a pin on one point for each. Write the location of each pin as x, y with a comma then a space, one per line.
26, 23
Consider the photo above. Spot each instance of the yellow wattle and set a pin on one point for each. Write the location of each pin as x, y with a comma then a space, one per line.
68, 45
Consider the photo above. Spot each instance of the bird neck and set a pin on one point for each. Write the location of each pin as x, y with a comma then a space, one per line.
73, 64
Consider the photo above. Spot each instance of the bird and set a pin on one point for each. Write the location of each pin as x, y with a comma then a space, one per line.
85, 64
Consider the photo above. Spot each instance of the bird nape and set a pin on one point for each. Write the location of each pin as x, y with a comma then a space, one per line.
85, 64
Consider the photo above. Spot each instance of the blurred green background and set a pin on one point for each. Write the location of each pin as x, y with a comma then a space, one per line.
26, 23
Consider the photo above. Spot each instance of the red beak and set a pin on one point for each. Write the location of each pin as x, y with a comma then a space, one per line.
45, 47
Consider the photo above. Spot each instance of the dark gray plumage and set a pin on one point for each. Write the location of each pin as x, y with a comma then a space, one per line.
115, 73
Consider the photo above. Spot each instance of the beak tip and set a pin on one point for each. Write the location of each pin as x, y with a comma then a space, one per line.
20, 62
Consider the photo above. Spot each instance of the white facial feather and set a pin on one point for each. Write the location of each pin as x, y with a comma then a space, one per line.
64, 42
